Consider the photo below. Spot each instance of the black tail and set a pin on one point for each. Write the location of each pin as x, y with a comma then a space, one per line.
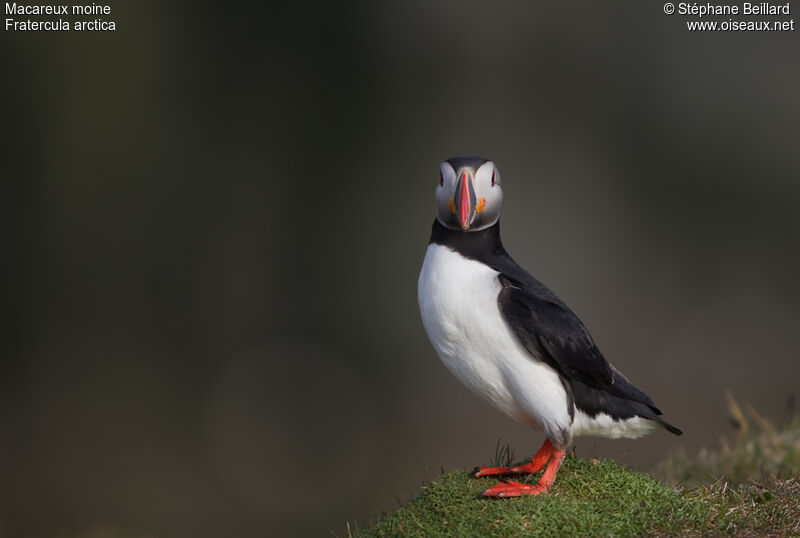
622, 400
667, 426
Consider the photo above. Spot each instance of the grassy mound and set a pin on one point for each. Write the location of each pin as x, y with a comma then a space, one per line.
748, 487
588, 498
595, 498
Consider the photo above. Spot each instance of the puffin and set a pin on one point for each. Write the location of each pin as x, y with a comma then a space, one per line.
511, 340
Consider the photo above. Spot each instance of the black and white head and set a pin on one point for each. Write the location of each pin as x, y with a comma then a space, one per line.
469, 195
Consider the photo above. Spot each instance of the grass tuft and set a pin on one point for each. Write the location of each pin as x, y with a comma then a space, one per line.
759, 449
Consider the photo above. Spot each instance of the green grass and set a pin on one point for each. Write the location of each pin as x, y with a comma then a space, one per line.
601, 498
595, 498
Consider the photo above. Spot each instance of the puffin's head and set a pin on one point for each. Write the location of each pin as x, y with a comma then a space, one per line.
469, 195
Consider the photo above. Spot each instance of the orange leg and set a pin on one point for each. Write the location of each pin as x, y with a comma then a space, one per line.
508, 488
538, 461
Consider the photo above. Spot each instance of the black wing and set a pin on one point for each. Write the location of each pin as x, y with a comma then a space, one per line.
552, 332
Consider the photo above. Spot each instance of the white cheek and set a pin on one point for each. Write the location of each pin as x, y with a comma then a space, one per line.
497, 195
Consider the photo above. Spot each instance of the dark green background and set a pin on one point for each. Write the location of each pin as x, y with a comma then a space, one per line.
214, 218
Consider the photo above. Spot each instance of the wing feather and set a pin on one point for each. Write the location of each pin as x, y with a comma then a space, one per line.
551, 331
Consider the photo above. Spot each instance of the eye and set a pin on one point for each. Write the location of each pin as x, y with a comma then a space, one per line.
441, 179
492, 178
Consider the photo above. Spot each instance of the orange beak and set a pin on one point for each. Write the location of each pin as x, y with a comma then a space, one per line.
464, 201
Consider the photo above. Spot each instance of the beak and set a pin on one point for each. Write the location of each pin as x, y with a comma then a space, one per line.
464, 200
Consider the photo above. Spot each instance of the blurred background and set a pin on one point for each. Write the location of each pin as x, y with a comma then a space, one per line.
214, 219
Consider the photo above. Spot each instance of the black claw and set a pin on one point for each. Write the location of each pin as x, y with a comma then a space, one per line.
480, 495
475, 472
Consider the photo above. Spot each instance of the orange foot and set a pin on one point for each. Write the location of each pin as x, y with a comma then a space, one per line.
536, 464
509, 488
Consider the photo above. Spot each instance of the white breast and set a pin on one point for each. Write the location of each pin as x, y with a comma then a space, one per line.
458, 302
